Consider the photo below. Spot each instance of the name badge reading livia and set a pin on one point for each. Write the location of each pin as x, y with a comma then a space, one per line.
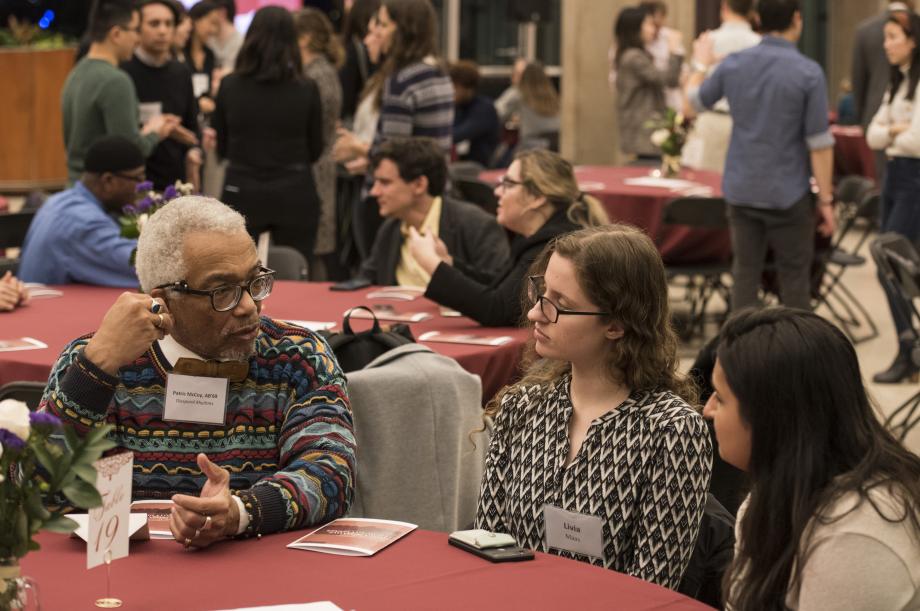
574, 532
195, 399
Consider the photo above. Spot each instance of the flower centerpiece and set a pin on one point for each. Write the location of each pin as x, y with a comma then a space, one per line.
42, 462
149, 201
670, 135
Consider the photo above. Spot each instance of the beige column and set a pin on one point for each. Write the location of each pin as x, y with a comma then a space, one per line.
589, 133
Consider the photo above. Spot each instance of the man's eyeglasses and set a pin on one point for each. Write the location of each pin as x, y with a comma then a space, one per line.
226, 297
133, 178
550, 309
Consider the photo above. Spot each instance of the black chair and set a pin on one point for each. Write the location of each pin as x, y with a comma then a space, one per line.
712, 554
476, 192
899, 264
702, 279
13, 228
29, 393
288, 263
853, 215
465, 170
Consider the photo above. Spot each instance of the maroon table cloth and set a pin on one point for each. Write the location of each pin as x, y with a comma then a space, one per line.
852, 154
420, 571
58, 320
642, 206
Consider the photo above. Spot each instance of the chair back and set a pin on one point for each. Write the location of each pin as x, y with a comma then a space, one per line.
29, 393
465, 169
476, 192
897, 258
853, 189
417, 462
288, 263
13, 228
703, 212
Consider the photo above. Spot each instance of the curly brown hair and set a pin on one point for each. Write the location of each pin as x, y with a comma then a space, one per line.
621, 272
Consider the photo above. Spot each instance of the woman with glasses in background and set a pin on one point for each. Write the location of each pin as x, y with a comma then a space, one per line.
538, 201
597, 453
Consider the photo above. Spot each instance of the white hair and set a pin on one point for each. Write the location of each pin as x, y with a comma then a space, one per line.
159, 249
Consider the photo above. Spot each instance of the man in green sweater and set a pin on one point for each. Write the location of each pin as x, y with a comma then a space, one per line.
99, 99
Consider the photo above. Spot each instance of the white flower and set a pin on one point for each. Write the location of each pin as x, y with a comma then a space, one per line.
660, 136
14, 417
141, 220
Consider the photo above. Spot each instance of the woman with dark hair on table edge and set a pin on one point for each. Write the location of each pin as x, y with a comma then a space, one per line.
833, 517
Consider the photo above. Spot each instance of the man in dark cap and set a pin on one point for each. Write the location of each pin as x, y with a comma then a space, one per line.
74, 236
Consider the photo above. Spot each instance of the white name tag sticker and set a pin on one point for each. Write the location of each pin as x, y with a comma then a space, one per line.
574, 532
195, 399
149, 110
200, 84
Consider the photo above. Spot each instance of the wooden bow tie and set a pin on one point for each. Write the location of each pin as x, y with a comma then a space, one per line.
235, 371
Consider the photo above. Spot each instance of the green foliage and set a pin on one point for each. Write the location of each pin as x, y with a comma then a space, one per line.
53, 462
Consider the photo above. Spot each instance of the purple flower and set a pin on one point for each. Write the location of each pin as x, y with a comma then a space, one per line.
129, 209
11, 441
144, 204
144, 187
170, 192
43, 419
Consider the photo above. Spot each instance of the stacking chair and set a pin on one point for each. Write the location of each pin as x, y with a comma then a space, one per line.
288, 263
477, 192
703, 279
858, 212
899, 263
29, 393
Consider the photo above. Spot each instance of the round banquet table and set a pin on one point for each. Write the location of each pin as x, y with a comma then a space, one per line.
642, 206
852, 154
420, 571
58, 320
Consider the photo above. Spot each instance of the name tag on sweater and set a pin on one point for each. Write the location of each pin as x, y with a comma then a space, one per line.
200, 84
195, 399
573, 532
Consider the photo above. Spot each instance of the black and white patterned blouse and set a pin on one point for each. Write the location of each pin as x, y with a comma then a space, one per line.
643, 468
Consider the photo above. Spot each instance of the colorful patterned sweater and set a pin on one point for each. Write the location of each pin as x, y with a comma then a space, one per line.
287, 438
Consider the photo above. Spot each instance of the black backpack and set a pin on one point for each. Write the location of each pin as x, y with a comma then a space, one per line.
354, 351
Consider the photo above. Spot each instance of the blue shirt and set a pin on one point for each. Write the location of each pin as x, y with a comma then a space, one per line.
477, 123
778, 101
72, 239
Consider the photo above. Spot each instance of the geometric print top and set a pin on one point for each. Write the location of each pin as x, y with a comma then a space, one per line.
643, 469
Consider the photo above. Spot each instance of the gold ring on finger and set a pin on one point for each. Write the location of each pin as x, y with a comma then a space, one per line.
159, 323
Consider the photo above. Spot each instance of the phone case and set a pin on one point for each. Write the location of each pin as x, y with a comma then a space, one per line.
351, 285
483, 539
495, 554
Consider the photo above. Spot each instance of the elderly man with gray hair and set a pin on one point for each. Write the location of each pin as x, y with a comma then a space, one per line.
243, 421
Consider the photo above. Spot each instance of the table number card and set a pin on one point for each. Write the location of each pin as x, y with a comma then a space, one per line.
108, 524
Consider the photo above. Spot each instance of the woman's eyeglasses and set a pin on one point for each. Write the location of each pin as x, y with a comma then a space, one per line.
551, 310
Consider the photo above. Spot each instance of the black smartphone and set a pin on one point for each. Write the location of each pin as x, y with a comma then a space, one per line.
495, 554
351, 285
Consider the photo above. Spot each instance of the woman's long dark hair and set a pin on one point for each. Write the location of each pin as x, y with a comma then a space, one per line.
628, 31
909, 23
814, 438
270, 52
360, 15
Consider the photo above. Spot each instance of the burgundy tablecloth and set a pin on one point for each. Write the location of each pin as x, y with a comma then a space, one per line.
851, 153
56, 321
421, 571
642, 206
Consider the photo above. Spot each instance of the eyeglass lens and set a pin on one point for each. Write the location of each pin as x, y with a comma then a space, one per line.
227, 297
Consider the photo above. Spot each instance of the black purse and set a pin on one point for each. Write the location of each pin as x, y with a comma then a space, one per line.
355, 351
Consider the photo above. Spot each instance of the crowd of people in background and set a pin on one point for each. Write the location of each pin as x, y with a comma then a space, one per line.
340, 147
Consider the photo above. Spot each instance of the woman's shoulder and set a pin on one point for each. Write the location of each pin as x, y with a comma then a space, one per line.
634, 57
525, 401
665, 409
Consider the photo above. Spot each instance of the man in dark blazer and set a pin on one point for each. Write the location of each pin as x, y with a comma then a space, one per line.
871, 71
410, 175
